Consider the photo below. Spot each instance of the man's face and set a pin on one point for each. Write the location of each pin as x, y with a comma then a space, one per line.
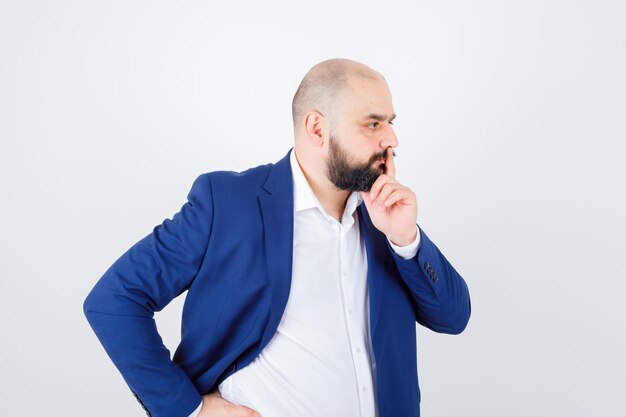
357, 146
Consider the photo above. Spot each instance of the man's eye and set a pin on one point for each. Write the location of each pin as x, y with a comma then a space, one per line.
376, 123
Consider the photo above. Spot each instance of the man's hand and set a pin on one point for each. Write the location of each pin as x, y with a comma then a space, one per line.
392, 206
213, 405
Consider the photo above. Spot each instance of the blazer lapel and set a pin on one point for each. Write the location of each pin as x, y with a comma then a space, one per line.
376, 251
277, 210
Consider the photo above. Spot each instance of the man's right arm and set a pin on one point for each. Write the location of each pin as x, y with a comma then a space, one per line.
120, 307
197, 410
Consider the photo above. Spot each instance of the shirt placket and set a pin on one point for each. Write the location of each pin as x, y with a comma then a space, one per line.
352, 298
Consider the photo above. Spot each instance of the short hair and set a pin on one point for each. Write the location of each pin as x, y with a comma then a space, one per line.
323, 86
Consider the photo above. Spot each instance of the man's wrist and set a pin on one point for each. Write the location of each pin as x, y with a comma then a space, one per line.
407, 251
403, 242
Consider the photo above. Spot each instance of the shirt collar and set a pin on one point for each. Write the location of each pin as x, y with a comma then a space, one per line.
304, 197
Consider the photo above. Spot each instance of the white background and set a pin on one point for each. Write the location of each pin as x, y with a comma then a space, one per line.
511, 123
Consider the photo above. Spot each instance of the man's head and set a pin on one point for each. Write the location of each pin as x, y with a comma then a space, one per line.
342, 114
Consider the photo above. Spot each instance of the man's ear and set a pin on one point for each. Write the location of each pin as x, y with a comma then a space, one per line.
315, 127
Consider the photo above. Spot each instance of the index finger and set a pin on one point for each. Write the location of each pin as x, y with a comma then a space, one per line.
390, 166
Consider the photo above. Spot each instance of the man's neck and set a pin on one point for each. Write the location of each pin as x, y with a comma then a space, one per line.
332, 200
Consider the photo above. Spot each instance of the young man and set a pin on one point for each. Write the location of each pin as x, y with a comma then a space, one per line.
301, 300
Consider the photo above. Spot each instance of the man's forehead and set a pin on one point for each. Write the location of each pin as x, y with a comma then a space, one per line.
370, 111
369, 100
380, 111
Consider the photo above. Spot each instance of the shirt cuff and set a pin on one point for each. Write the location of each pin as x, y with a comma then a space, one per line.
197, 410
409, 251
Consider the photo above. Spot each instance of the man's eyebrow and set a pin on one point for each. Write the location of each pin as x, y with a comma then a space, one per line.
379, 117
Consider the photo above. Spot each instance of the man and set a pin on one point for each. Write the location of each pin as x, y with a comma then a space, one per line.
301, 300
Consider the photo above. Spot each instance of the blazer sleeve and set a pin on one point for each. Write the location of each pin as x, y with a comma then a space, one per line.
440, 293
121, 305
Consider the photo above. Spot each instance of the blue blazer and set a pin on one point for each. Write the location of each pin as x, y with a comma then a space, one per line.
230, 247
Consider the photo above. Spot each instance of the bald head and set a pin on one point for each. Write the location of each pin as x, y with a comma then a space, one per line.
324, 85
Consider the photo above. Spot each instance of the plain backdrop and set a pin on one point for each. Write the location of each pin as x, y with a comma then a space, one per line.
511, 126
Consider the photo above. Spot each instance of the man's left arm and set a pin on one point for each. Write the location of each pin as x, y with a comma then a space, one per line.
440, 293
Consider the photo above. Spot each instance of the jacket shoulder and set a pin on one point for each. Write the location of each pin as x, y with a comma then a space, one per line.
250, 179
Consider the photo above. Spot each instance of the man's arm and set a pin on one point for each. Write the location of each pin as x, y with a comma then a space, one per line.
121, 306
440, 293
196, 412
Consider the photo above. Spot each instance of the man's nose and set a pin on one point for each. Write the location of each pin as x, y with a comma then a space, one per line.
388, 138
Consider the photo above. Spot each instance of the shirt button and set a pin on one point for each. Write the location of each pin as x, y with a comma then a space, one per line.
358, 350
350, 311
364, 389
345, 273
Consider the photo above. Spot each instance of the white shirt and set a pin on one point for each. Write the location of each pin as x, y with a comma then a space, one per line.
320, 361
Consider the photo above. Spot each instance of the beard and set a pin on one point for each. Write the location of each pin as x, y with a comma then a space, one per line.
344, 175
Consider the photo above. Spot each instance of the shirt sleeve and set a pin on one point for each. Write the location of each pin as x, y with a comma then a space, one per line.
409, 251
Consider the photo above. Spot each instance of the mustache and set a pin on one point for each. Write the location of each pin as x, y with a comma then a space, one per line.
382, 155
